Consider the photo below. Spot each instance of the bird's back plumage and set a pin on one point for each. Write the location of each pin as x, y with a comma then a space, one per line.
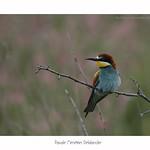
106, 81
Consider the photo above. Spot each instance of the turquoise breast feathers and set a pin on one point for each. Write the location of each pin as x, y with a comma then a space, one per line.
109, 80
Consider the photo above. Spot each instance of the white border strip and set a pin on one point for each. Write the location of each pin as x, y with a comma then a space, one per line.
74, 6
74, 142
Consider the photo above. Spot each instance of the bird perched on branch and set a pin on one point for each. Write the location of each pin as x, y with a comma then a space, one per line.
106, 80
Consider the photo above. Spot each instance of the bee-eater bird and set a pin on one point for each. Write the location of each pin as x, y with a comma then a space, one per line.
106, 80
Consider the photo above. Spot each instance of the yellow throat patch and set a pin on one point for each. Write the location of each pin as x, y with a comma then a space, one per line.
102, 64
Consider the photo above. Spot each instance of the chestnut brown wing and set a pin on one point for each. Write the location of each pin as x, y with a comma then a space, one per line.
95, 78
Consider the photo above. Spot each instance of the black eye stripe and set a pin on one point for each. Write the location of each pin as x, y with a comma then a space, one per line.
105, 60
101, 59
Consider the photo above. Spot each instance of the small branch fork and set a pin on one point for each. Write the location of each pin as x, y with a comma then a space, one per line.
138, 94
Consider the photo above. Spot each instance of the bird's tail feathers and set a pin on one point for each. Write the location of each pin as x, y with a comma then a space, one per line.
92, 104
90, 107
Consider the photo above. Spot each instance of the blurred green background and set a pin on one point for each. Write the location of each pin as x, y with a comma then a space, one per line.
36, 104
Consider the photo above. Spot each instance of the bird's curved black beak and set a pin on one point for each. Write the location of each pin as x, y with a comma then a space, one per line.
92, 59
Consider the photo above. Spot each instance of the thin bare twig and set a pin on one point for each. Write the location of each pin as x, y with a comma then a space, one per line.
102, 119
47, 68
83, 127
145, 112
80, 69
138, 94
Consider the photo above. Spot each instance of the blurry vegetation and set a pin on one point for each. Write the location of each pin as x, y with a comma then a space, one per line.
33, 104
